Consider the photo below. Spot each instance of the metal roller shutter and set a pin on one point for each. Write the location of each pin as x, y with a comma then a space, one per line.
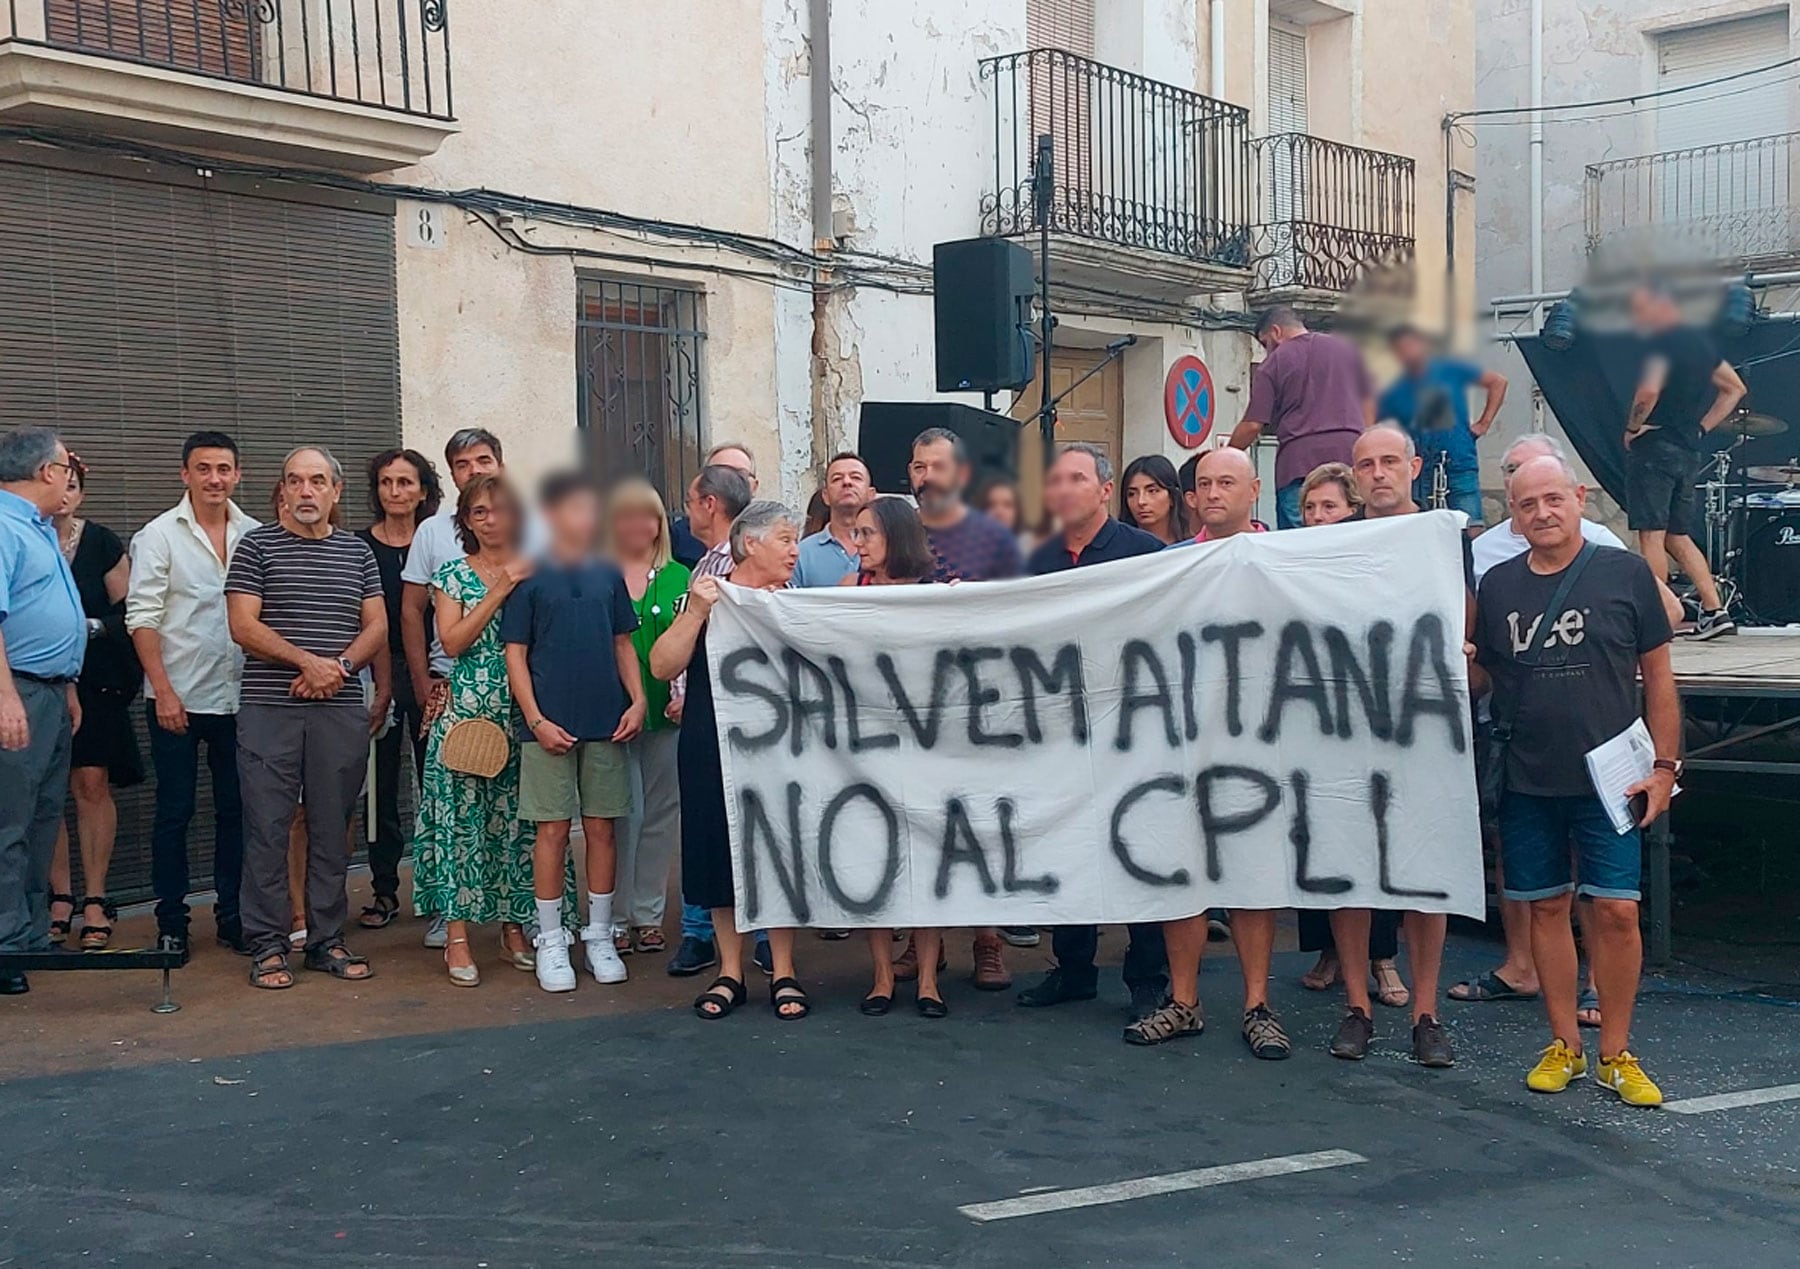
1755, 106
140, 304
1063, 24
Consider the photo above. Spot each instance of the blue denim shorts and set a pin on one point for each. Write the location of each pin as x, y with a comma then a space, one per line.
1462, 492
1547, 843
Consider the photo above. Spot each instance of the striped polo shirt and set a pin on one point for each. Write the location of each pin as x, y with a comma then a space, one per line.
312, 591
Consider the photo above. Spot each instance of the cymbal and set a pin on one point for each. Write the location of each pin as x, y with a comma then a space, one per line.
1748, 424
1785, 474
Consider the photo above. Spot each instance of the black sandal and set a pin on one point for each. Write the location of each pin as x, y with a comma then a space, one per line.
337, 960
932, 1007
725, 994
59, 930
94, 938
263, 970
876, 1006
796, 996
380, 914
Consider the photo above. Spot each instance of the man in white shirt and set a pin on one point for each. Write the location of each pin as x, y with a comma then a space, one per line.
175, 611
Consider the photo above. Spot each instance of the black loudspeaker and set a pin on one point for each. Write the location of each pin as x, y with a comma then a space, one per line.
886, 430
982, 289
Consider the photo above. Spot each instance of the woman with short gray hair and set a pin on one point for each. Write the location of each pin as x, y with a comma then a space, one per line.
765, 545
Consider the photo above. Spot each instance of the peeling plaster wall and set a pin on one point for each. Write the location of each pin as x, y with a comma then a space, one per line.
651, 108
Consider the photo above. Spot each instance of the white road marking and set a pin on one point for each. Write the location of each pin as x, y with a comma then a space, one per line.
1166, 1183
1731, 1101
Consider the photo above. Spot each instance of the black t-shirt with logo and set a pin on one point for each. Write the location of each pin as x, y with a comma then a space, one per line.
1687, 391
1583, 688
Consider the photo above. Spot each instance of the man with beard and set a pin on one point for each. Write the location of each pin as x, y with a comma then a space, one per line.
969, 547
305, 604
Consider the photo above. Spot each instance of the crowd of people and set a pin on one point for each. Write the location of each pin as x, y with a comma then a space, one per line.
542, 662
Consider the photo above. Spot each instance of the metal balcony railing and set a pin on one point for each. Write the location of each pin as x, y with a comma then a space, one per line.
1138, 163
391, 54
1731, 203
1328, 215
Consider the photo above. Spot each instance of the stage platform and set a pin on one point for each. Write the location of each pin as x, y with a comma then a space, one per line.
1740, 699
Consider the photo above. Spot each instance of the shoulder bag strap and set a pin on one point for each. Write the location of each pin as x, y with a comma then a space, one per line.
1553, 612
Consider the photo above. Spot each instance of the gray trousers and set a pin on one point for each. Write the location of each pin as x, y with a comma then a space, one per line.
34, 786
649, 836
282, 751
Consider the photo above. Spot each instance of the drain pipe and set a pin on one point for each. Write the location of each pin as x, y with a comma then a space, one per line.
1537, 188
1215, 24
819, 41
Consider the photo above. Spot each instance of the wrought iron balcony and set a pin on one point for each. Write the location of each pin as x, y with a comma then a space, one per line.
1731, 204
1139, 164
1329, 215
389, 54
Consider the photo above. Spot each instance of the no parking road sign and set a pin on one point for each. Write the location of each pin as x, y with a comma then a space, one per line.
1188, 401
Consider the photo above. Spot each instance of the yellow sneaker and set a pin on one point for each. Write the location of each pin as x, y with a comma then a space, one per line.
1626, 1078
1556, 1068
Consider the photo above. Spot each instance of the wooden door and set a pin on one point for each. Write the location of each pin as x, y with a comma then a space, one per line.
1093, 412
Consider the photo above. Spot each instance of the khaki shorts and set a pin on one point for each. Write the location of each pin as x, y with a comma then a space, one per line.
592, 780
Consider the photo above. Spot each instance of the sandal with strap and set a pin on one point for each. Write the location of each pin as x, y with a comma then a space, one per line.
59, 930
794, 999
1170, 1022
1490, 986
271, 972
1390, 988
1587, 1008
95, 936
725, 994
379, 914
337, 960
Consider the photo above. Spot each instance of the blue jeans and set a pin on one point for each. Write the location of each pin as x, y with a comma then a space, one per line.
1287, 505
1538, 836
1462, 491
696, 923
176, 759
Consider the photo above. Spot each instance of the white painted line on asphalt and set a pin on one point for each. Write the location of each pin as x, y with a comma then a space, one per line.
1731, 1101
1166, 1183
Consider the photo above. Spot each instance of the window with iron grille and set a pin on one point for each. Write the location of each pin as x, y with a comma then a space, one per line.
638, 361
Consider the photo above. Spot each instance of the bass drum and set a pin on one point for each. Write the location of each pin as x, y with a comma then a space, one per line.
1769, 562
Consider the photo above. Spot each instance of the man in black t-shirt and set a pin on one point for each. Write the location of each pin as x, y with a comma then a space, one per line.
1685, 390
1576, 688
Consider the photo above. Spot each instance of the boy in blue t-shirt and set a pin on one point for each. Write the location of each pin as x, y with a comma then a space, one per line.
574, 719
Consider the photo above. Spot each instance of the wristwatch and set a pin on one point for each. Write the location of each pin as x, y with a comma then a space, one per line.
1671, 765
348, 666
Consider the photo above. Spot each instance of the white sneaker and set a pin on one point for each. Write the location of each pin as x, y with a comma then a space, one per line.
554, 972
603, 957
437, 934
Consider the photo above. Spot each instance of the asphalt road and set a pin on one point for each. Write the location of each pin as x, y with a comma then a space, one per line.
651, 1139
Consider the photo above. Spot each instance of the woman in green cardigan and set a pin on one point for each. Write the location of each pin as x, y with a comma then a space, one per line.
638, 534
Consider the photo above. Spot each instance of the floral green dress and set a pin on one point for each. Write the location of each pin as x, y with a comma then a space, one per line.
471, 851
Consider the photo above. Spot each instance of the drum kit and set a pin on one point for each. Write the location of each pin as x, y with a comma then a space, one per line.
1753, 525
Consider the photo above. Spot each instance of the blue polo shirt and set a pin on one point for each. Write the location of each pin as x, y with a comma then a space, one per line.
1434, 410
823, 560
1115, 541
40, 609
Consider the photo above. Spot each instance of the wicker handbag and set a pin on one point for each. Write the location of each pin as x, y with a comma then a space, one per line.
477, 747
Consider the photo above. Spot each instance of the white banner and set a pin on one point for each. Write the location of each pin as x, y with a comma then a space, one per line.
1278, 720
